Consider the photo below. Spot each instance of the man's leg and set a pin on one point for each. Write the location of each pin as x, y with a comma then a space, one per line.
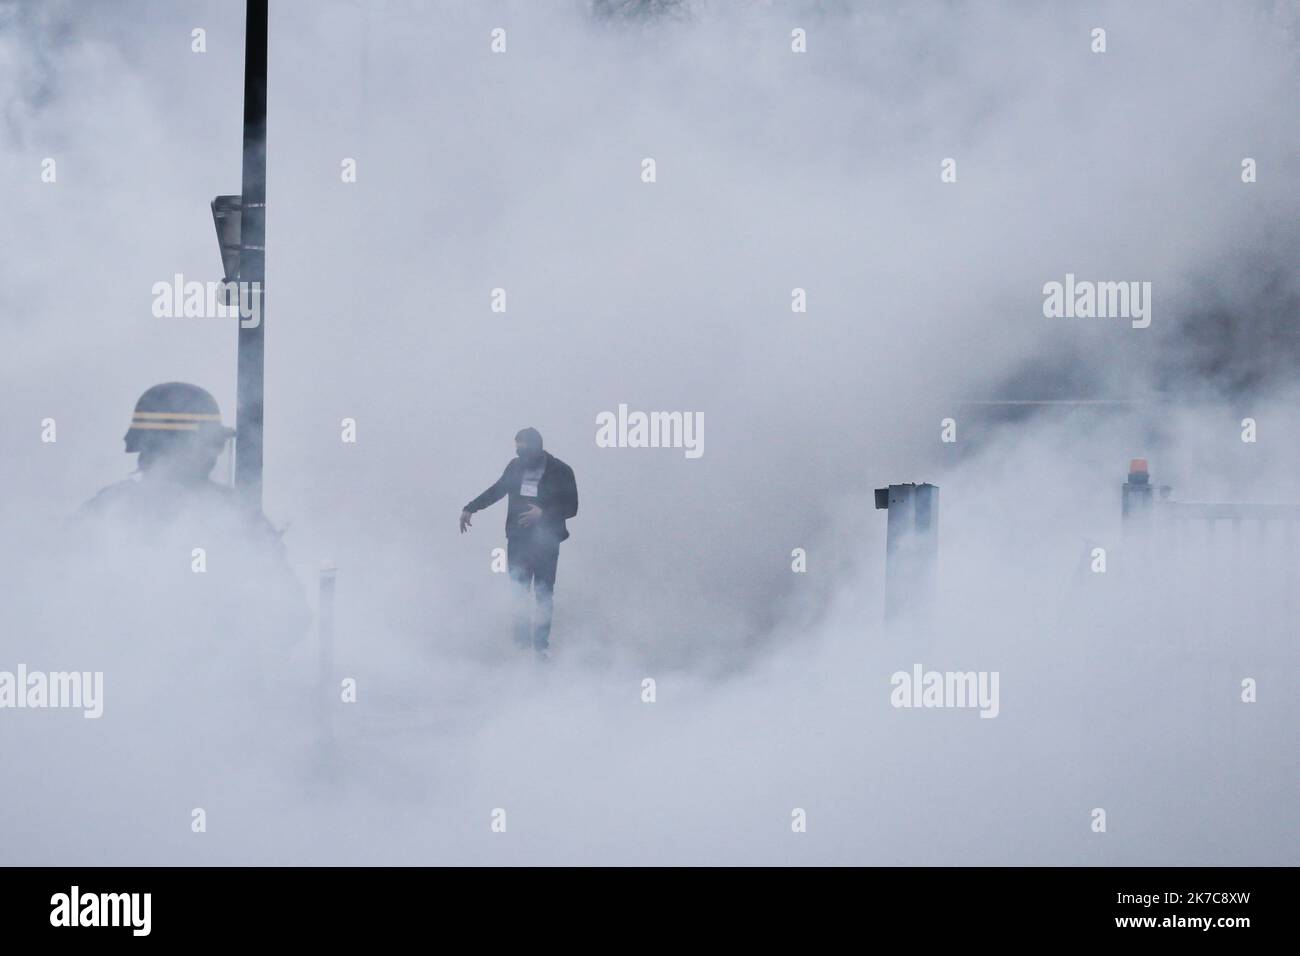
521, 573
544, 566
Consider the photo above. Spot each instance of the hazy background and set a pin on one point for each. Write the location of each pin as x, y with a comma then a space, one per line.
775, 171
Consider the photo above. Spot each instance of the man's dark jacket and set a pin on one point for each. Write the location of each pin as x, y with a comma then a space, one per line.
557, 496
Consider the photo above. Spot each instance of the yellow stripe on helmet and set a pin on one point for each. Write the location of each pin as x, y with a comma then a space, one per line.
181, 416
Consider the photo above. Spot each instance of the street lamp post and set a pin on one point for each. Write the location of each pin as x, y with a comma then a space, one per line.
252, 261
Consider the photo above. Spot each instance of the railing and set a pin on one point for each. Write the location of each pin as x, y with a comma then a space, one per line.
1222, 576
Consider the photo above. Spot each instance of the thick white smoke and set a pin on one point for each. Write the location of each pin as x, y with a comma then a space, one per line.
775, 171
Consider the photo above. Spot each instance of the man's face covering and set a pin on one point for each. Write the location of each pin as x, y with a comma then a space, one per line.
529, 454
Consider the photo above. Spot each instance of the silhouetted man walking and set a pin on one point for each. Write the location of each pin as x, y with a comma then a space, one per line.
542, 496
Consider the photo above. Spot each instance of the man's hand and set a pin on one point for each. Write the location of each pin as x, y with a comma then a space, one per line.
465, 522
530, 517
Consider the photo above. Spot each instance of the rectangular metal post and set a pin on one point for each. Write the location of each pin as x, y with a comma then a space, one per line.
911, 551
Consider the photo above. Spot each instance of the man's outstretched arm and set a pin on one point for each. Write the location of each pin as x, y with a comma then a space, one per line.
495, 493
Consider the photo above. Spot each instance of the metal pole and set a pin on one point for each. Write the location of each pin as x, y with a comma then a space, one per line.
252, 261
911, 553
325, 639
1136, 497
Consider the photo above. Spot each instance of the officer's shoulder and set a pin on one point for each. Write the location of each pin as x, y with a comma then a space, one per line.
563, 466
111, 495
223, 493
228, 497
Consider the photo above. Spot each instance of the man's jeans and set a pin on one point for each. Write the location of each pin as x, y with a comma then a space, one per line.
532, 559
